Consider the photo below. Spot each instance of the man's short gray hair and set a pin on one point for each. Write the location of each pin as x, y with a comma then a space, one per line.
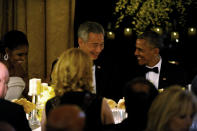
88, 27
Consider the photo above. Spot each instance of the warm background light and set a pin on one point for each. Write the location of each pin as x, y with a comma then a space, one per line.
174, 35
158, 30
110, 35
127, 31
191, 31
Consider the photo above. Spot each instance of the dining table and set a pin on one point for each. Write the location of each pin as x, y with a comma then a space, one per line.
118, 114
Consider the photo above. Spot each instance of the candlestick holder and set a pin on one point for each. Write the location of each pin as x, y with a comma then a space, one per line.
33, 120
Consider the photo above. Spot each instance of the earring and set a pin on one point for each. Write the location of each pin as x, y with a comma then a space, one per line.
5, 57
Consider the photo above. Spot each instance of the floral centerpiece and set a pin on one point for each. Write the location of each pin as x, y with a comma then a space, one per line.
46, 94
40, 93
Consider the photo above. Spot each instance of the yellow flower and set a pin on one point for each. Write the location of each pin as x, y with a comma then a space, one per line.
46, 94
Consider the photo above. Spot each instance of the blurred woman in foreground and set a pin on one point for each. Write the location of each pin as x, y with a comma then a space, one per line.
72, 80
172, 110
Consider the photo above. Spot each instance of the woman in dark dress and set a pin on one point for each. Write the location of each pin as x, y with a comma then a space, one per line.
72, 81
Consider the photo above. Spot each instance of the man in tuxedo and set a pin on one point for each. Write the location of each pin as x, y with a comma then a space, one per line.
152, 66
10, 112
91, 41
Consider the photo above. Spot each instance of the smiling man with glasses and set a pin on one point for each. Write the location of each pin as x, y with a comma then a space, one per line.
91, 38
91, 41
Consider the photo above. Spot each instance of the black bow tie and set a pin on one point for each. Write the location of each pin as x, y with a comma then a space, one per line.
155, 69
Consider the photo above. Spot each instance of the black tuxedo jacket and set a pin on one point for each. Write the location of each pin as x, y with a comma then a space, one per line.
103, 79
100, 80
170, 74
14, 114
108, 83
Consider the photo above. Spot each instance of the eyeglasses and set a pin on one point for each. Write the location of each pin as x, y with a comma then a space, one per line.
95, 45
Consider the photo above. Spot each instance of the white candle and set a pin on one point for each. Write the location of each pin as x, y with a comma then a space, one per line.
34, 86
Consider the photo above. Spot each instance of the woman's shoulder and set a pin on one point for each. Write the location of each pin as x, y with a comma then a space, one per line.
16, 79
55, 101
51, 104
86, 95
76, 97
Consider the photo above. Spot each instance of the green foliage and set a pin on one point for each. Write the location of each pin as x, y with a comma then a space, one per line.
145, 14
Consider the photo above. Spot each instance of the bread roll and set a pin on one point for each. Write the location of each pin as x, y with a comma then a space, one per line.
27, 105
112, 104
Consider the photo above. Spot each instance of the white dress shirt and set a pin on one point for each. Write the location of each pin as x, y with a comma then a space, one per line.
94, 79
152, 76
